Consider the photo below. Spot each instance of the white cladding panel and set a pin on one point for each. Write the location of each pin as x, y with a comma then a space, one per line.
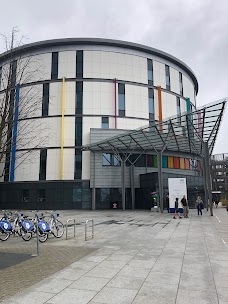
53, 164
37, 68
43, 132
30, 101
27, 166
88, 123
55, 98
110, 65
67, 64
136, 101
169, 105
159, 74
68, 164
130, 124
99, 98
174, 80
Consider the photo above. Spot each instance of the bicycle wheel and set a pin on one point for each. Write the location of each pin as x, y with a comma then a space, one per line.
43, 237
58, 229
26, 235
4, 235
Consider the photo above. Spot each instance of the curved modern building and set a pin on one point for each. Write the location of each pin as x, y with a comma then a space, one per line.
72, 93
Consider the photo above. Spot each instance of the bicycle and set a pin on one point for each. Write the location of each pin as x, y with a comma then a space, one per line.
56, 226
6, 229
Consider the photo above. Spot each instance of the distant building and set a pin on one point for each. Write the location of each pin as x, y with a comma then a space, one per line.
96, 89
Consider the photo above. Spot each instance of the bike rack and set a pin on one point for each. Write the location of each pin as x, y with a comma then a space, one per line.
90, 220
70, 220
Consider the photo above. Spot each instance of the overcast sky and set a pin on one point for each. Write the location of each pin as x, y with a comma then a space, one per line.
194, 31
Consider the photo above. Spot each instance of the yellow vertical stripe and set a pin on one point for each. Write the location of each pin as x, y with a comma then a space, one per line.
62, 129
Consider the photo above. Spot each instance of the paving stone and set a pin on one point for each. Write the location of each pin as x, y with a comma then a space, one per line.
115, 296
90, 283
196, 297
126, 282
73, 296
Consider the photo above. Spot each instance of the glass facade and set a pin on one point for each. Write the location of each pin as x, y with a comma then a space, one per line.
79, 64
121, 99
105, 122
45, 99
58, 195
43, 164
78, 130
54, 65
178, 110
151, 104
167, 77
181, 84
150, 72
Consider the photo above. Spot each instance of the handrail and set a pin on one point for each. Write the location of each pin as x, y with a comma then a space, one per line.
90, 220
69, 220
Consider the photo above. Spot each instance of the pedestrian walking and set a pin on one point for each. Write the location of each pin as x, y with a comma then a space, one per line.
199, 205
176, 211
185, 206
216, 203
167, 202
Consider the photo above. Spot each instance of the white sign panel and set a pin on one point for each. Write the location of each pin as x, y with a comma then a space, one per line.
177, 189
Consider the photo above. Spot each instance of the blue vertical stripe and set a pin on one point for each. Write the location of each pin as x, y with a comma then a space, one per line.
14, 138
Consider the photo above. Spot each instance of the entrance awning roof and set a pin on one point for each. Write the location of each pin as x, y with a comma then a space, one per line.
185, 133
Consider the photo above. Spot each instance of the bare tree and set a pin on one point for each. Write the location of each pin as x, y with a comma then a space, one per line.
19, 103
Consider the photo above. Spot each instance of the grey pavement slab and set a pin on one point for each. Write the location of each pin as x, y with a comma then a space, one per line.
135, 257
110, 295
72, 296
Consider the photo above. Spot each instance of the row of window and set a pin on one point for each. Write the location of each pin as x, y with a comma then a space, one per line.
148, 160
167, 76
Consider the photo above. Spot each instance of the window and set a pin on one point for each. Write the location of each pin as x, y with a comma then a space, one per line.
25, 195
109, 159
0, 77
167, 77
150, 71
41, 195
78, 131
43, 164
151, 104
79, 64
181, 84
79, 97
121, 99
54, 65
78, 164
45, 101
105, 123
178, 111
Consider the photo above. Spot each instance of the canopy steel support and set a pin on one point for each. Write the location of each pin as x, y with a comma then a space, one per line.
208, 176
205, 183
160, 181
123, 183
94, 189
132, 187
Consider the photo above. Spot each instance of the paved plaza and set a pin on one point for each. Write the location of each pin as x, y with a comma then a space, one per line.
137, 257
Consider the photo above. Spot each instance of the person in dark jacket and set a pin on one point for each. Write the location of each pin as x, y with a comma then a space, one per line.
167, 202
199, 205
176, 211
185, 206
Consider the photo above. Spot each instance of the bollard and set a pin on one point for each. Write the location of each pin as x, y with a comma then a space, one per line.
90, 220
67, 226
